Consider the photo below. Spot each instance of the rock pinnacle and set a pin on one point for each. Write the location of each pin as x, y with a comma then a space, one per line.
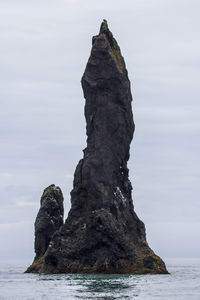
102, 233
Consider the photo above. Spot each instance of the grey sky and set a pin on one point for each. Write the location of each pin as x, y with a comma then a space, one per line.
44, 48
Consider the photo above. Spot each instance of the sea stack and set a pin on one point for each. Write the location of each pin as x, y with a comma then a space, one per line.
48, 221
102, 233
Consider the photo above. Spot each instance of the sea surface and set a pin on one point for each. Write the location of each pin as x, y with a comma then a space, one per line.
183, 283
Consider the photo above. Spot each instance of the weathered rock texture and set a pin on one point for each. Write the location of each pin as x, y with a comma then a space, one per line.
102, 233
49, 219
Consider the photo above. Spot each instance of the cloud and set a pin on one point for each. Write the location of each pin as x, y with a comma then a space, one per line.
44, 50
25, 203
176, 233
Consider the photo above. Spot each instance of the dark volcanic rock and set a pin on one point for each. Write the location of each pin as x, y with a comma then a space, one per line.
49, 219
102, 233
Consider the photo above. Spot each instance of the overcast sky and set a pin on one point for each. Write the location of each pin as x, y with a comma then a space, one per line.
44, 48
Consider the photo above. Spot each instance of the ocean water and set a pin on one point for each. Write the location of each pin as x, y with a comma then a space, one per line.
183, 283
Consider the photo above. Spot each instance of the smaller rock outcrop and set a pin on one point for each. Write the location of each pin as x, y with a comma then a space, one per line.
49, 219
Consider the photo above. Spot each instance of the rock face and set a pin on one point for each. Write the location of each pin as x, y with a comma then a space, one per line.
102, 233
49, 219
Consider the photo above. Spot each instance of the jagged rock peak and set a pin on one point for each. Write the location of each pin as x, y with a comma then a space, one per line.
105, 30
102, 233
104, 27
105, 41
